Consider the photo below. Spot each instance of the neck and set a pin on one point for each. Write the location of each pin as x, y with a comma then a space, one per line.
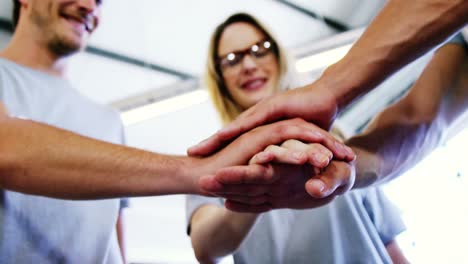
31, 52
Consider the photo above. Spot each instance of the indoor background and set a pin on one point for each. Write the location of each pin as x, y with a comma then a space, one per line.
146, 59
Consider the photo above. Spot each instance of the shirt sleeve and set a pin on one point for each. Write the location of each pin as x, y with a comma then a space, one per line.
457, 39
384, 214
193, 202
465, 33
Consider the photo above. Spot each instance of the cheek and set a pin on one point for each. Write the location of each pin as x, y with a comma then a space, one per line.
231, 83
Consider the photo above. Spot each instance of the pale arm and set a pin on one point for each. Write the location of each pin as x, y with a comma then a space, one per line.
402, 31
399, 137
217, 232
405, 132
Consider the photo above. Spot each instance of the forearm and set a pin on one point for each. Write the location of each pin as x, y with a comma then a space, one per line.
217, 232
386, 151
43, 160
403, 31
407, 131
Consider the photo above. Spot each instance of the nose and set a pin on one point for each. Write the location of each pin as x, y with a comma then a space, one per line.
248, 63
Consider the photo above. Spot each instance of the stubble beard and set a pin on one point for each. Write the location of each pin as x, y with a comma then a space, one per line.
57, 43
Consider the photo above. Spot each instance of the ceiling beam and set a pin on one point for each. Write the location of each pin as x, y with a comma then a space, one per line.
6, 25
137, 62
336, 25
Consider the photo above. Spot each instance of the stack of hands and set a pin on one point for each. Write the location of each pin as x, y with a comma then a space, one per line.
300, 173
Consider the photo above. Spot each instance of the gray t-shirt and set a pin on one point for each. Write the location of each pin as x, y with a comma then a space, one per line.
35, 229
354, 228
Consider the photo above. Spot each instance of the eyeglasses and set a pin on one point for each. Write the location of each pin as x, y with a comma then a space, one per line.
257, 50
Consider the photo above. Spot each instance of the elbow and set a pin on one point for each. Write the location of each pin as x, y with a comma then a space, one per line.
204, 259
203, 255
208, 253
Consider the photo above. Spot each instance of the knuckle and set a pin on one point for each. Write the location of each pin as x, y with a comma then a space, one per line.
271, 148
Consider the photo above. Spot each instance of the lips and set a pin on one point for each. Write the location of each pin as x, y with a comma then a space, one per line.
254, 84
79, 22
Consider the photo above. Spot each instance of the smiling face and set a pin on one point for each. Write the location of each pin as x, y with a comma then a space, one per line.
65, 25
253, 78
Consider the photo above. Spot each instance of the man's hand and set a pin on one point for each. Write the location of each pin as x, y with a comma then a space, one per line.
241, 150
309, 103
262, 186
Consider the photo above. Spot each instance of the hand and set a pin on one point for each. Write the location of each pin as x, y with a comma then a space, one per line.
241, 150
295, 152
262, 187
312, 103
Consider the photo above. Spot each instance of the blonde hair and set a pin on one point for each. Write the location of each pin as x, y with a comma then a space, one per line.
226, 107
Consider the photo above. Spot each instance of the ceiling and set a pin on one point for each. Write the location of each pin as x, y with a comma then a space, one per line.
145, 45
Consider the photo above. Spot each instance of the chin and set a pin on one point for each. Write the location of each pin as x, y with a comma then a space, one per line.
65, 46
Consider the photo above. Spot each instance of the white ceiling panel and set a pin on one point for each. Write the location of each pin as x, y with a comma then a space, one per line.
176, 33
353, 13
106, 80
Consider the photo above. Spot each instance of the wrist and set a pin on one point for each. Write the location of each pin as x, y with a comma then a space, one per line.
337, 81
190, 171
368, 169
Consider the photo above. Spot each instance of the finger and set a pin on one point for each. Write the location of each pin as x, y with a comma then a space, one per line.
255, 141
261, 113
336, 179
245, 208
209, 184
317, 155
262, 158
251, 174
207, 146
242, 190
339, 149
284, 155
248, 200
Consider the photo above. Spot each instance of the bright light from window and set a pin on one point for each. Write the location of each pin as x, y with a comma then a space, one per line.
322, 60
163, 107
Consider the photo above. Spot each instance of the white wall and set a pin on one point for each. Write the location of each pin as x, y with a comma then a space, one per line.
156, 225
4, 39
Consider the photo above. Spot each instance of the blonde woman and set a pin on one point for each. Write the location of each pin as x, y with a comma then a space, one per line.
245, 65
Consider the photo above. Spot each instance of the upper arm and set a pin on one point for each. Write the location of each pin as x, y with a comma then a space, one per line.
437, 82
193, 204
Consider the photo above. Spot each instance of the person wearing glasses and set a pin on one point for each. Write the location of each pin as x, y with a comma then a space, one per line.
400, 33
246, 64
57, 146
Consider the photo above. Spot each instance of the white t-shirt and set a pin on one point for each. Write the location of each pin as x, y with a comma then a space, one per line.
35, 229
354, 228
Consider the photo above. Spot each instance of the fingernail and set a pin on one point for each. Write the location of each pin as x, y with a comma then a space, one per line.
321, 186
321, 159
340, 148
349, 151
